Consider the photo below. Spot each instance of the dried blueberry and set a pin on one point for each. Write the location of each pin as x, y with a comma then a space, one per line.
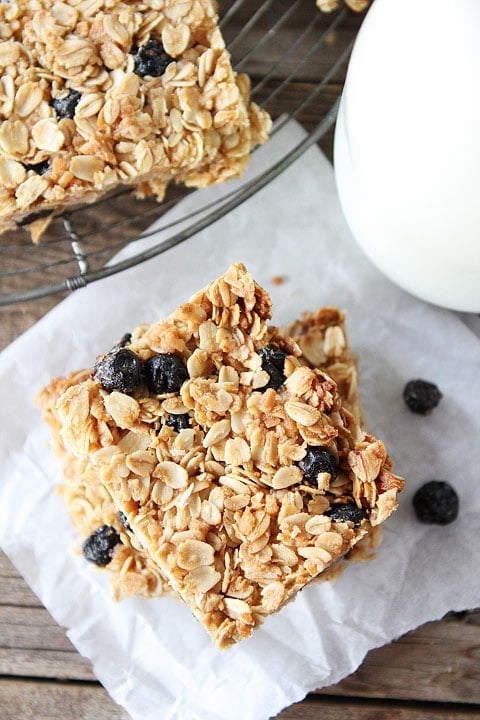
273, 354
344, 512
65, 106
421, 396
164, 373
98, 548
273, 362
123, 519
151, 59
317, 460
119, 370
436, 502
40, 168
124, 340
178, 422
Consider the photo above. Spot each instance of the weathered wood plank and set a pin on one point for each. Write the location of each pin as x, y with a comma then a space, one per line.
52, 664
322, 708
6, 567
437, 662
15, 591
27, 700
23, 628
22, 700
16, 319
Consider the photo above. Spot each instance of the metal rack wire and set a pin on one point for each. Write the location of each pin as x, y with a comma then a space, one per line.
296, 57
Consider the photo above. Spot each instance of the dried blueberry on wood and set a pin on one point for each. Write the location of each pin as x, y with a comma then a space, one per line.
436, 502
344, 512
421, 396
151, 59
273, 362
119, 370
178, 422
164, 373
65, 106
317, 460
98, 548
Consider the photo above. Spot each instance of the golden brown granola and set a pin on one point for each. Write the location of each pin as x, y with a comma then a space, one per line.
100, 93
331, 5
91, 507
225, 506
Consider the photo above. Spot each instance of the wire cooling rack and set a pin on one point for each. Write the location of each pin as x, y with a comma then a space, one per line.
296, 58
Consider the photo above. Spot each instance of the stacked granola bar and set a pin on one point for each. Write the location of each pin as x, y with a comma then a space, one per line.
100, 93
221, 458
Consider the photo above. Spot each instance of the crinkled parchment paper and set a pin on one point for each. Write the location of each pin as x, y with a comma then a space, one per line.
152, 656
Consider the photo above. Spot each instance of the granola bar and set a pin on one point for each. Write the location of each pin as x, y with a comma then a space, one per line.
238, 469
323, 340
100, 93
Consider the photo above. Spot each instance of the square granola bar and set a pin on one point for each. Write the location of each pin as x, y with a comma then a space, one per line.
323, 340
100, 93
239, 471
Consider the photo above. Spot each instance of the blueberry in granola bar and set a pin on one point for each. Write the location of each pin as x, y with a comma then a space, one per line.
347, 512
65, 106
317, 460
273, 362
151, 59
99, 546
119, 370
40, 168
164, 373
178, 422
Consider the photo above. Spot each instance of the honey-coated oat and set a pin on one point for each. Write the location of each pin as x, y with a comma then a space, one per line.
355, 5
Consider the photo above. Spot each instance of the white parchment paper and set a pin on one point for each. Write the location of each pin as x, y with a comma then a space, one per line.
152, 656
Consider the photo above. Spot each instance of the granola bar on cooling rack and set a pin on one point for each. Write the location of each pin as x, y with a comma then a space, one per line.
96, 94
236, 466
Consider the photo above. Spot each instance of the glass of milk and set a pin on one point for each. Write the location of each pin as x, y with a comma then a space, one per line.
407, 147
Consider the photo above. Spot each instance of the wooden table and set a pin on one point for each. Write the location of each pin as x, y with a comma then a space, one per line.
431, 673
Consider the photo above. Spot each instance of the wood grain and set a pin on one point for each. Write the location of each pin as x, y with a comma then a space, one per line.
28, 700
25, 700
438, 662
342, 709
